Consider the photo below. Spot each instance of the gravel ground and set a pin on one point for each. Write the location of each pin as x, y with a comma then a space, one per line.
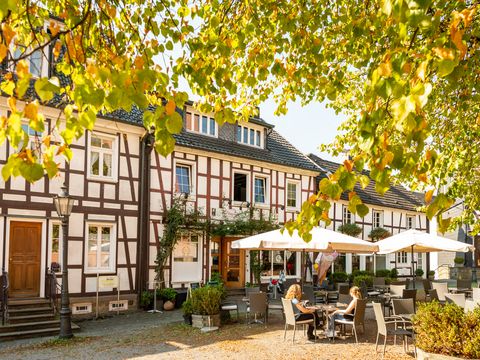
163, 336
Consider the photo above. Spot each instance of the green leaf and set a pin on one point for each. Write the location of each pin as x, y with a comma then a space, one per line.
364, 181
47, 88
445, 66
31, 172
164, 142
174, 123
362, 210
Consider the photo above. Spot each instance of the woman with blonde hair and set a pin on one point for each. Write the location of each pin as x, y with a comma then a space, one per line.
294, 294
346, 314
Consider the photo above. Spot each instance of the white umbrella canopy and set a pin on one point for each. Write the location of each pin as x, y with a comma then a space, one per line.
322, 240
420, 242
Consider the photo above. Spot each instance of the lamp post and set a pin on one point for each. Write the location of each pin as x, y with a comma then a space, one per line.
64, 204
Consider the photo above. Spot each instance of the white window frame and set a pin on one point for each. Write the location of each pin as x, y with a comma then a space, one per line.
247, 196
191, 165
345, 211
34, 141
242, 137
180, 240
402, 257
414, 218
50, 244
114, 152
270, 256
209, 117
267, 193
43, 65
380, 220
297, 195
113, 249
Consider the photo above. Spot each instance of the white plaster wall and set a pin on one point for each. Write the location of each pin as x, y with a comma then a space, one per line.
215, 167
75, 252
74, 280
76, 184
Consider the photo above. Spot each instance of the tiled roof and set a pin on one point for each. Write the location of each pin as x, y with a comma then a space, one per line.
396, 197
278, 151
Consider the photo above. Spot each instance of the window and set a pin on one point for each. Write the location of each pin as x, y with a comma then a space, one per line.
292, 194
377, 219
100, 248
419, 260
402, 257
202, 124
348, 217
102, 157
260, 190
56, 257
249, 136
34, 142
410, 222
273, 262
182, 173
239, 187
34, 60
186, 249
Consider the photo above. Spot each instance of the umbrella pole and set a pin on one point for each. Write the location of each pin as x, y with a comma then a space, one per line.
413, 269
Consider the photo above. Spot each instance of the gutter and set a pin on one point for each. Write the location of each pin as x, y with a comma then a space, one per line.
146, 147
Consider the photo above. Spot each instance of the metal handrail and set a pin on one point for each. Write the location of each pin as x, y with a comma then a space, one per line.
4, 282
52, 289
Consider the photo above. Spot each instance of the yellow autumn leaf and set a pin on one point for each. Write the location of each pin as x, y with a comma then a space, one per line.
54, 28
3, 52
170, 107
444, 53
385, 69
12, 103
422, 70
8, 33
22, 69
31, 111
428, 196
348, 165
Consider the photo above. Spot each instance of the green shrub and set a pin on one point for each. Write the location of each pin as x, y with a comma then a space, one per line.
382, 273
187, 307
356, 273
338, 277
448, 330
350, 229
431, 273
419, 272
367, 279
459, 260
167, 294
379, 234
206, 300
394, 273
146, 299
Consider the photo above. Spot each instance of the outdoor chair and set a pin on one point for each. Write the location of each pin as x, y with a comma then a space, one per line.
476, 294
403, 306
231, 306
257, 306
470, 305
397, 290
458, 299
250, 290
442, 289
426, 285
309, 294
379, 284
384, 328
344, 299
290, 319
343, 288
287, 283
358, 318
433, 295
409, 294
464, 284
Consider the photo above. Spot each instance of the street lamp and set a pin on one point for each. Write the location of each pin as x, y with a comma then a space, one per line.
64, 204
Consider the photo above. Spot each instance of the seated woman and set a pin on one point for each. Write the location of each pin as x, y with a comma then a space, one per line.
346, 314
294, 293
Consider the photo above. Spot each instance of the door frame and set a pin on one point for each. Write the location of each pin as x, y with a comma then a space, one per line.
43, 247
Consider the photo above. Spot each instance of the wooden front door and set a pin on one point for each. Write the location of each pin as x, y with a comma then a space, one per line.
24, 261
233, 265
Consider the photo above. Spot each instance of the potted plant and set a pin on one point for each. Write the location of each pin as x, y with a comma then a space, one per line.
168, 296
206, 303
431, 275
350, 229
187, 309
419, 273
146, 300
379, 234
459, 261
446, 332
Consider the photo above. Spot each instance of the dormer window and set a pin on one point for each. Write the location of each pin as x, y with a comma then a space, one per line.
249, 136
34, 60
200, 123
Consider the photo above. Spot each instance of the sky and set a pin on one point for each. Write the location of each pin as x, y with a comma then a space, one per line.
305, 127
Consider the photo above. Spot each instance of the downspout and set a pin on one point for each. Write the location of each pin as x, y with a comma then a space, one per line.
146, 147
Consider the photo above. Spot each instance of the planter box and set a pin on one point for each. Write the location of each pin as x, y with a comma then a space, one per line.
423, 355
200, 321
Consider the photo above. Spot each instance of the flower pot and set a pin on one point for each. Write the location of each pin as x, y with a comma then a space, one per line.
200, 321
187, 319
168, 305
423, 355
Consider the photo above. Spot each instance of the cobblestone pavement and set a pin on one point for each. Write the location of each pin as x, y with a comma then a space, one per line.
163, 336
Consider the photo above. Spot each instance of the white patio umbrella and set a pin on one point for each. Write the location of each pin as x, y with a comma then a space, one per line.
322, 240
421, 242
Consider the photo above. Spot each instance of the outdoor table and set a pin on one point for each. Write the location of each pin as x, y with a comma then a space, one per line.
325, 294
406, 316
466, 291
326, 310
